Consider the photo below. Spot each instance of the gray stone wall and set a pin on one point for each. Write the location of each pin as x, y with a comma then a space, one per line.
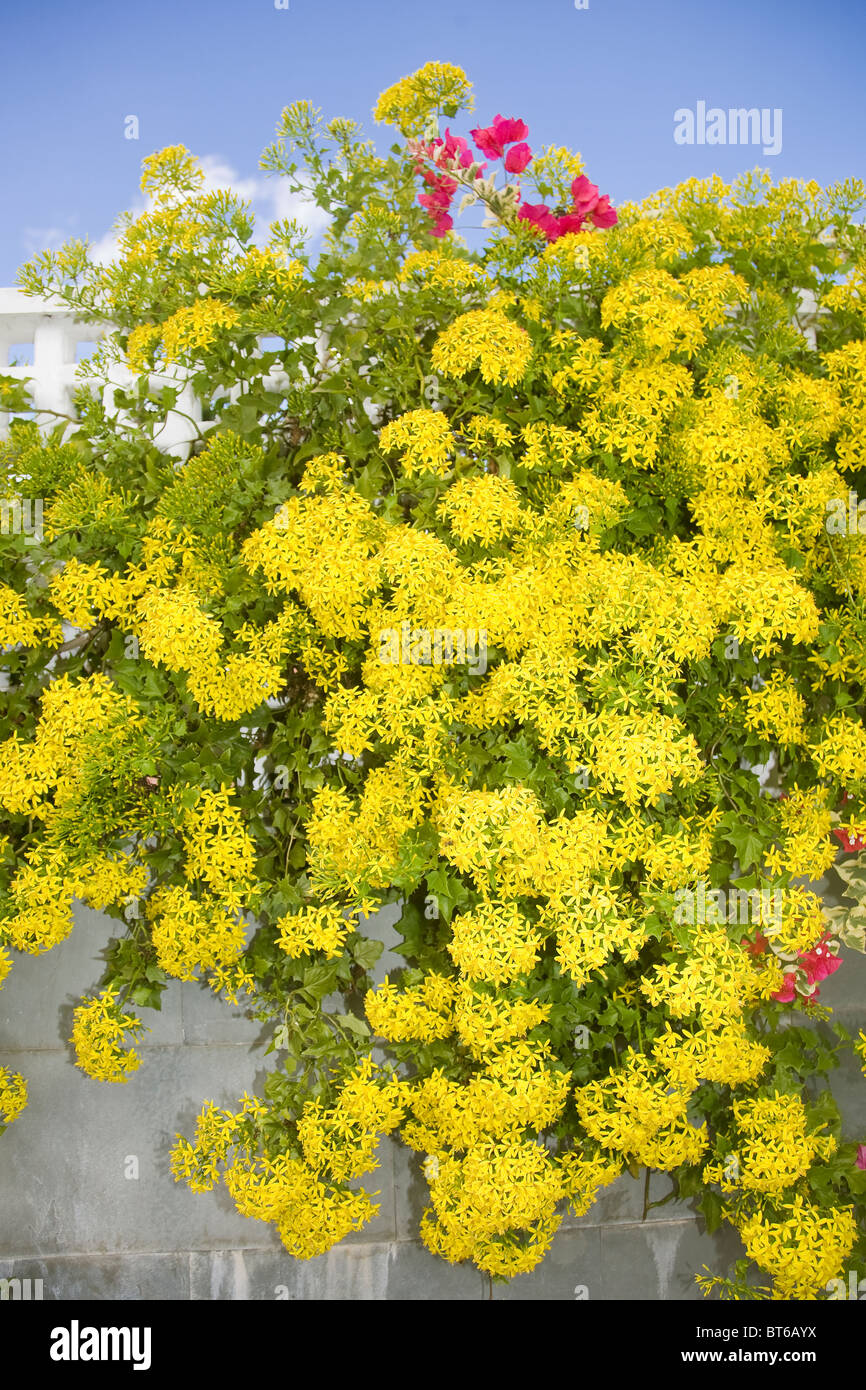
71, 1216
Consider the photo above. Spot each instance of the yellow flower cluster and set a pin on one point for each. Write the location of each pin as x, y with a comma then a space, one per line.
311, 1216
840, 753
18, 626
219, 850
806, 818
421, 1013
340, 1141
217, 1133
516, 1088
325, 471
176, 632
642, 755
350, 845
482, 431
424, 440
801, 1245
494, 942
442, 271
495, 1205
13, 1095
486, 340
99, 1028
485, 1022
325, 550
716, 980
311, 1211
802, 922
590, 925
70, 710
409, 103
190, 330
639, 1113
189, 933
775, 1149
323, 928
777, 711
726, 1055
481, 509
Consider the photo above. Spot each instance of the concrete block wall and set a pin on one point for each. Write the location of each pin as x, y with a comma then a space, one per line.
72, 1215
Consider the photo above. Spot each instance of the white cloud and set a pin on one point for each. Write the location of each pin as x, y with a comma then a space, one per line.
270, 198
35, 239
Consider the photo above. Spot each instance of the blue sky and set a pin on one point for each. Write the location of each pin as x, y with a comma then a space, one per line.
215, 74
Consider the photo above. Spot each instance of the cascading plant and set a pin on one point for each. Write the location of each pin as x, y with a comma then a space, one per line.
490, 574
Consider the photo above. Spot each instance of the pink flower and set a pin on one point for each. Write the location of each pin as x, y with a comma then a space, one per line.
541, 217
438, 201
756, 947
492, 139
786, 994
861, 1156
585, 195
603, 215
517, 158
819, 963
588, 203
570, 222
454, 147
444, 222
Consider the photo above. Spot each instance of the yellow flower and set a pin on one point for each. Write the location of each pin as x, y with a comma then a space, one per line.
98, 1030
409, 103
803, 1248
487, 340
494, 942
13, 1096
424, 439
483, 509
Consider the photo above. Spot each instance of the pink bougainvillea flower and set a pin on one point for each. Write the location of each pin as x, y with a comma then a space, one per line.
454, 147
585, 195
517, 158
786, 994
603, 215
541, 217
436, 202
570, 222
819, 963
861, 1156
492, 139
589, 204
440, 199
444, 222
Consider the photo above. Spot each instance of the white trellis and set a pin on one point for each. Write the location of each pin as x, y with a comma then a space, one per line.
41, 342
47, 334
